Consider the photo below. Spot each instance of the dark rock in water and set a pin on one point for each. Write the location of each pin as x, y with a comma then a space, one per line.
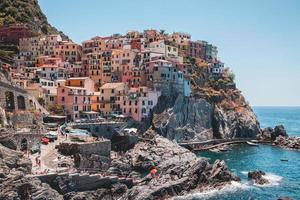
279, 137
287, 142
284, 198
266, 134
258, 178
278, 131
270, 134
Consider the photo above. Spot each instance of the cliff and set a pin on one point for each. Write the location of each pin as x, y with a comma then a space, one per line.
26, 12
216, 109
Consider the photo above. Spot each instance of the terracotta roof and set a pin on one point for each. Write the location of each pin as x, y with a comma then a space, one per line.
111, 85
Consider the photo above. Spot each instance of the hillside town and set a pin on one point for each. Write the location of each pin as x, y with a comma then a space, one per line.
81, 110
104, 76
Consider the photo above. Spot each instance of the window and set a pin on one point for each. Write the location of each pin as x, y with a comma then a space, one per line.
136, 110
62, 98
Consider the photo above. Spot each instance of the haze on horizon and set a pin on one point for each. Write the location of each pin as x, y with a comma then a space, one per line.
259, 39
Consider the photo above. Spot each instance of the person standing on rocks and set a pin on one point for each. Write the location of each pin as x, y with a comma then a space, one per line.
153, 172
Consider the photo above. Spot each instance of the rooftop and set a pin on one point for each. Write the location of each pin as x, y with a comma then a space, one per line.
112, 85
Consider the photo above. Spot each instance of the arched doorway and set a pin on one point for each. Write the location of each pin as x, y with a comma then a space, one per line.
21, 103
24, 144
10, 102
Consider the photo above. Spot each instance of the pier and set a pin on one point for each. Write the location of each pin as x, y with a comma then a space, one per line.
211, 144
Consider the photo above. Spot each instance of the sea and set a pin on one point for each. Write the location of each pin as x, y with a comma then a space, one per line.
284, 176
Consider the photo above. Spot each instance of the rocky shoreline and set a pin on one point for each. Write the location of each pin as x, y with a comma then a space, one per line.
179, 172
279, 137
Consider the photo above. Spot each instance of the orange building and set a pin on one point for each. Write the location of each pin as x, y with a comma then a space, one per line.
68, 51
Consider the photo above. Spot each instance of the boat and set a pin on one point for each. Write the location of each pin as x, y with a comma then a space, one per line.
284, 159
254, 141
251, 143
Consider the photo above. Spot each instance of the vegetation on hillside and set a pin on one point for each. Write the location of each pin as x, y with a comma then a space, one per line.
25, 12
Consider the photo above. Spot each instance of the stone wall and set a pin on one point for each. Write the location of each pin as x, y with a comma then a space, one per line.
32, 139
90, 155
17, 92
105, 130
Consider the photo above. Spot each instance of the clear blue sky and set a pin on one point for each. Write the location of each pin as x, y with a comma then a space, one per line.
258, 39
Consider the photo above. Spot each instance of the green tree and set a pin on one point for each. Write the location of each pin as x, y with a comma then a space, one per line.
41, 101
56, 109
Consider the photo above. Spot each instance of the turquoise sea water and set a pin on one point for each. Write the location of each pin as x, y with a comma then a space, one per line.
284, 176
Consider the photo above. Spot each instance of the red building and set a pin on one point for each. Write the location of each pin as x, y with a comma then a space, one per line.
13, 33
135, 44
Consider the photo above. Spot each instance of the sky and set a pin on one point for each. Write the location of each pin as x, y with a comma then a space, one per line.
258, 39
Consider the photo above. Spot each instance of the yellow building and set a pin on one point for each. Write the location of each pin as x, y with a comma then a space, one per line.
108, 100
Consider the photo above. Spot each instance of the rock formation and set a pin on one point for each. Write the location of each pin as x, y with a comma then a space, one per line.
179, 170
200, 118
270, 134
15, 184
287, 142
279, 137
257, 177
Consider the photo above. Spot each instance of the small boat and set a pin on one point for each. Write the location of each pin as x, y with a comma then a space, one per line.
254, 141
251, 143
284, 159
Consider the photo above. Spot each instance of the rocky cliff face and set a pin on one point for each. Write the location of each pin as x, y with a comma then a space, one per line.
216, 109
189, 118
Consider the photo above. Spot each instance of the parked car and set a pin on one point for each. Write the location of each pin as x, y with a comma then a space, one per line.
52, 135
45, 140
35, 149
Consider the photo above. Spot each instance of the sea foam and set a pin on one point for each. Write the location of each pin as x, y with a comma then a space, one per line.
230, 188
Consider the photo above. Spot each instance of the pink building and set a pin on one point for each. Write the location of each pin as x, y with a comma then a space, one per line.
139, 103
76, 96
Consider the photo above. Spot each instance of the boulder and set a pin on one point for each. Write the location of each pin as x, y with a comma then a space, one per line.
257, 177
269, 134
278, 131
